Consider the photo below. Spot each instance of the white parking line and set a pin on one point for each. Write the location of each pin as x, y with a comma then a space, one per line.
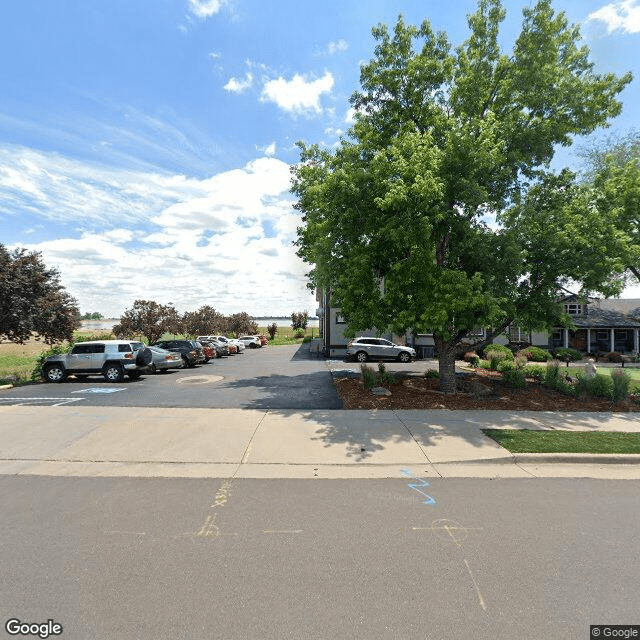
28, 401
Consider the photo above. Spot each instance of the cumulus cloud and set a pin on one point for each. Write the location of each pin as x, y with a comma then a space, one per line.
298, 96
239, 86
619, 16
137, 235
206, 8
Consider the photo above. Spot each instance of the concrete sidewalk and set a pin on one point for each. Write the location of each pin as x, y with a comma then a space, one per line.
224, 443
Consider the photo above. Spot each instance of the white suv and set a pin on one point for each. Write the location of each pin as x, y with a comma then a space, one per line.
109, 358
362, 349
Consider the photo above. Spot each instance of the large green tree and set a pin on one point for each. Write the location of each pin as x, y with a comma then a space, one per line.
148, 318
32, 299
398, 221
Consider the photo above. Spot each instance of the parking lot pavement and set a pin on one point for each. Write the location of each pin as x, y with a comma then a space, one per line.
268, 378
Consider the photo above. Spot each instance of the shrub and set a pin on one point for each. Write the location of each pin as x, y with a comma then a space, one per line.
485, 364
521, 361
475, 361
514, 378
568, 355
470, 356
272, 329
57, 349
495, 358
384, 377
298, 333
368, 376
498, 348
431, 373
621, 383
552, 374
506, 365
614, 356
306, 339
535, 354
598, 386
534, 371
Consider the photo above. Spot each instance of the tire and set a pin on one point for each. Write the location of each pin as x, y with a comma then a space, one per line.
144, 357
54, 373
113, 372
404, 357
185, 362
153, 369
361, 356
206, 360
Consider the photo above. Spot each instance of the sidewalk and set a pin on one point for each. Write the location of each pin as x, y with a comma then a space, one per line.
225, 443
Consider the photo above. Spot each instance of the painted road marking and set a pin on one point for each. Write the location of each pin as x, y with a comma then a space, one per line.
199, 379
417, 485
27, 401
99, 390
283, 531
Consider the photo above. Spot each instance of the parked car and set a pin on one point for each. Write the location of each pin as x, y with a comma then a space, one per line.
263, 340
209, 349
111, 359
221, 348
253, 342
190, 350
363, 349
240, 346
164, 360
231, 346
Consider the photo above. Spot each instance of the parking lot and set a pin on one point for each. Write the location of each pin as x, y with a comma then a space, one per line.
283, 377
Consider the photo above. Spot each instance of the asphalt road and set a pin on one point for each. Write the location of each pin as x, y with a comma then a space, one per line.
284, 377
373, 559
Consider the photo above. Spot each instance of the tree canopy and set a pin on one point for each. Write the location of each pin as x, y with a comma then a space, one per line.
32, 299
148, 318
400, 220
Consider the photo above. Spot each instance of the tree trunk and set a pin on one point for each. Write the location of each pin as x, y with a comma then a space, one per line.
447, 365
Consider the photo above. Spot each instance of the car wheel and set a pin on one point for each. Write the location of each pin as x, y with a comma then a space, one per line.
152, 368
54, 373
361, 356
404, 357
185, 362
113, 373
144, 357
206, 360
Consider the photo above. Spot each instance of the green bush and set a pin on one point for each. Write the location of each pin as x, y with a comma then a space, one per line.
368, 376
556, 380
475, 361
298, 333
506, 365
431, 373
536, 354
306, 339
514, 378
384, 377
485, 364
621, 383
498, 348
536, 371
598, 386
496, 358
272, 329
568, 355
57, 349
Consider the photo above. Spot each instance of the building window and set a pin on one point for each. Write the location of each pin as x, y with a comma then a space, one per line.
573, 309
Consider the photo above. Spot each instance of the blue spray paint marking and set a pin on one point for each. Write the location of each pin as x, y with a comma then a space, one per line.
417, 485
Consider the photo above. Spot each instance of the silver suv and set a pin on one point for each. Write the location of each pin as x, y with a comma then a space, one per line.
363, 349
109, 358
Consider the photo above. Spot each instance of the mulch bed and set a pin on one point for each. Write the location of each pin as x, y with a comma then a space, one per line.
423, 393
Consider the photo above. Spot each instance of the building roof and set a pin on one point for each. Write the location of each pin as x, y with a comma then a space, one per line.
610, 313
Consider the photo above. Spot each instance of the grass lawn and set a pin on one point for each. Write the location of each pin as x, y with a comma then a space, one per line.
530, 441
634, 374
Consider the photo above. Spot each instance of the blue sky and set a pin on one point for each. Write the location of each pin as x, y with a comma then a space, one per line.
145, 144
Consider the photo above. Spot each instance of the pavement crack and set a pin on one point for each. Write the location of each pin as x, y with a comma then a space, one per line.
246, 451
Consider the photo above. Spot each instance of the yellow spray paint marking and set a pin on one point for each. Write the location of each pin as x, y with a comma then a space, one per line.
283, 531
209, 527
222, 495
458, 533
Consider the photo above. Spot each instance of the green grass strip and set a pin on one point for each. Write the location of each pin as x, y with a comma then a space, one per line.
529, 441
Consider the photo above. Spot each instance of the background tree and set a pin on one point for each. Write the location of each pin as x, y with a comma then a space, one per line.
272, 329
612, 172
147, 318
396, 220
32, 300
300, 319
241, 323
205, 321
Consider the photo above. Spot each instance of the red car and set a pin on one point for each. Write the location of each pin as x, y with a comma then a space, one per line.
263, 340
209, 351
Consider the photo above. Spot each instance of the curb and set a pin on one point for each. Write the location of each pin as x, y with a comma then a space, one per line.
577, 458
5, 386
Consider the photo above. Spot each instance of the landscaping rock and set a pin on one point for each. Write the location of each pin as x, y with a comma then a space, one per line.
474, 388
380, 391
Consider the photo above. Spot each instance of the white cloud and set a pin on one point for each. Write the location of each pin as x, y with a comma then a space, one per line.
298, 95
239, 86
335, 47
619, 16
269, 150
206, 8
136, 235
